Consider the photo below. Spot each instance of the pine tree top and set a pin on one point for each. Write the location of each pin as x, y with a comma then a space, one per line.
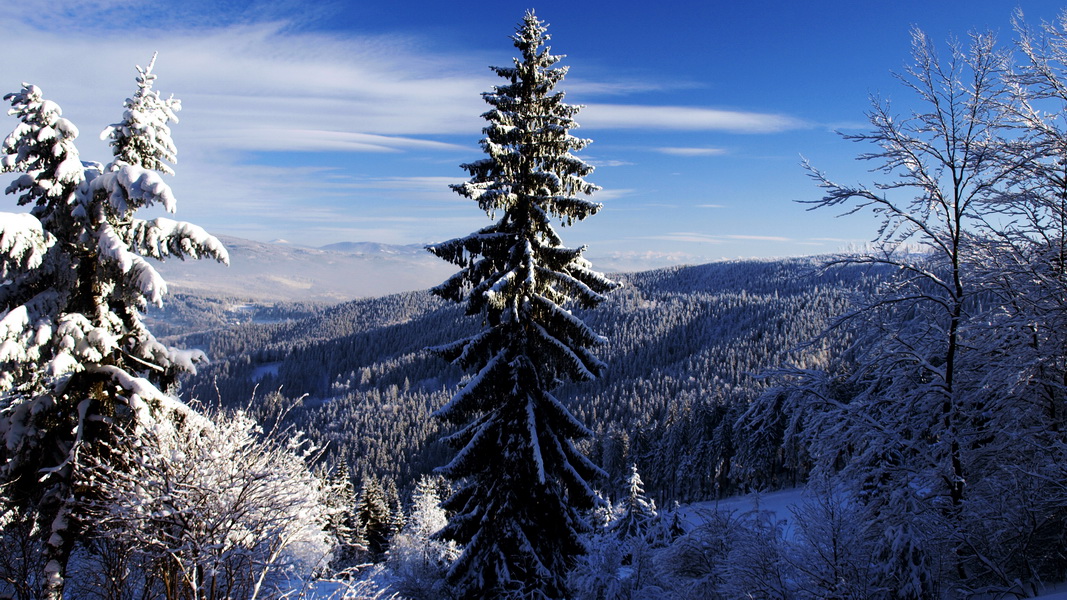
142, 138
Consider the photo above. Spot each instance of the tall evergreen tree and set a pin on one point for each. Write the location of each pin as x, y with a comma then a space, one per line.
341, 519
523, 480
78, 367
374, 518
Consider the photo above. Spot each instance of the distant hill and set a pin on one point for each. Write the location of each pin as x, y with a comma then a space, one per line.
280, 272
377, 249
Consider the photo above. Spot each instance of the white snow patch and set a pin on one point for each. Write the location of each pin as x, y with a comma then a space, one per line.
779, 503
265, 369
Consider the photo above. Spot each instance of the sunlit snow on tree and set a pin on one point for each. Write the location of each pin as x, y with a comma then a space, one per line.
523, 479
78, 363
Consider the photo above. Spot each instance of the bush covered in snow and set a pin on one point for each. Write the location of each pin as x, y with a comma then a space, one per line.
209, 508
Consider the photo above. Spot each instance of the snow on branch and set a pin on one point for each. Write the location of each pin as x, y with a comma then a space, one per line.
23, 243
130, 187
161, 237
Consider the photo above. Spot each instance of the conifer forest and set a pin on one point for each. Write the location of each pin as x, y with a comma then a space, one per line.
883, 423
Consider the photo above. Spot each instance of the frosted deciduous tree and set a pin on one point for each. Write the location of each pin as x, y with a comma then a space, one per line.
523, 479
912, 432
214, 508
77, 364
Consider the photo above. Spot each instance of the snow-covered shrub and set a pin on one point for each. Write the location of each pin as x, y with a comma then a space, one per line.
619, 562
756, 564
614, 569
418, 559
833, 553
596, 574
693, 563
214, 508
22, 557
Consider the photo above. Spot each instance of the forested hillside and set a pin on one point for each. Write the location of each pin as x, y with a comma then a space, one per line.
685, 345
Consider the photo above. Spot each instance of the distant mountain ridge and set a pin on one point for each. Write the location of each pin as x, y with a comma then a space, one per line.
375, 248
279, 271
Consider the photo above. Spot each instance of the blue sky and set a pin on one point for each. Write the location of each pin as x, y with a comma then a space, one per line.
345, 121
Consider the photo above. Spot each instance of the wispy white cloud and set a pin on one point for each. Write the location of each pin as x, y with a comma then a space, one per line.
579, 87
691, 151
261, 86
249, 87
687, 118
611, 194
703, 238
265, 86
268, 138
608, 163
698, 238
759, 238
629, 261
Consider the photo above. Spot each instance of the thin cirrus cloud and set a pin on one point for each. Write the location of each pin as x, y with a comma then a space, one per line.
263, 86
691, 151
273, 138
260, 87
682, 236
759, 238
266, 87
685, 118
703, 238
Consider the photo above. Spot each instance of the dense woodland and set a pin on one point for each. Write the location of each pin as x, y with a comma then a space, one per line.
687, 346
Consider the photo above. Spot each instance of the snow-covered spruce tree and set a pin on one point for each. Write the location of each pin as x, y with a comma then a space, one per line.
523, 480
143, 137
341, 520
77, 364
373, 518
638, 512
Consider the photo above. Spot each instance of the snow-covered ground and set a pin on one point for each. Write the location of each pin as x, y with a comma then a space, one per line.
261, 371
779, 503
